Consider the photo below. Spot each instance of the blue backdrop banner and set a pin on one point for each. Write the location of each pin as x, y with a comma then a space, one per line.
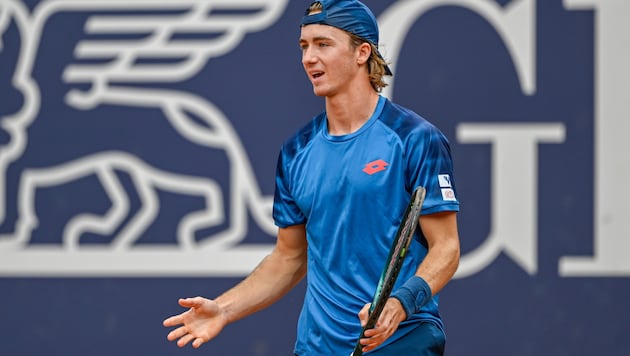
138, 145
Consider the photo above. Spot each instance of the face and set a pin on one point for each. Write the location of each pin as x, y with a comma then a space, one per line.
330, 62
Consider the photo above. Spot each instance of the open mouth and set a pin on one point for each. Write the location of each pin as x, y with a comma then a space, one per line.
316, 75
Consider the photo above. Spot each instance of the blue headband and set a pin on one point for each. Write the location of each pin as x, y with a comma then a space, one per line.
349, 15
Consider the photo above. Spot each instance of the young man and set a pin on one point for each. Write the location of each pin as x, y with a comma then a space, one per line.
342, 185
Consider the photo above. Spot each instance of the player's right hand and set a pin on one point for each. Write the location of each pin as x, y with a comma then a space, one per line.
200, 323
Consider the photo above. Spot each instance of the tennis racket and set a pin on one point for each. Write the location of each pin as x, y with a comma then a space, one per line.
397, 254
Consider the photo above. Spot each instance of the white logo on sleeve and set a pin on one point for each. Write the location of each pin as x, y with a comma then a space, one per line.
446, 187
444, 180
448, 194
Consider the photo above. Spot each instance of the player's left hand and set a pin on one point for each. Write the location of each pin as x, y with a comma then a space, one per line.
391, 316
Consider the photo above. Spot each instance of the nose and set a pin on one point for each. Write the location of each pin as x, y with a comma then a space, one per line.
308, 56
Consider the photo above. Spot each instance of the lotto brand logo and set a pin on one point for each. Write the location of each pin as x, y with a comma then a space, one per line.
375, 166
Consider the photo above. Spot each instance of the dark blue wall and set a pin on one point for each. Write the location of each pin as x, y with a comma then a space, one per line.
84, 136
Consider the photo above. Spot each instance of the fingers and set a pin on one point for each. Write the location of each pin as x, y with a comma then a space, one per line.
184, 340
193, 324
198, 342
173, 321
364, 314
177, 333
387, 324
372, 340
195, 302
375, 337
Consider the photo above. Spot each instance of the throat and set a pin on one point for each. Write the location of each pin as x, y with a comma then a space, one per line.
348, 117
336, 128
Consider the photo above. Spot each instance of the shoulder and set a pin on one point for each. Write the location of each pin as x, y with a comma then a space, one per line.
407, 124
301, 139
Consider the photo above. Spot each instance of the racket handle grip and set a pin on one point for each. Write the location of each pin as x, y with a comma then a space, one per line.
358, 348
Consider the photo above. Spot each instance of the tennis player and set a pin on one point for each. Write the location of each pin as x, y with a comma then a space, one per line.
342, 185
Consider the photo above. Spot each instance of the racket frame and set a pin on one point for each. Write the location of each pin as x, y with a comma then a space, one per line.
397, 253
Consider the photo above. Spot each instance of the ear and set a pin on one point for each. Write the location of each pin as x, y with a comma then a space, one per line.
364, 51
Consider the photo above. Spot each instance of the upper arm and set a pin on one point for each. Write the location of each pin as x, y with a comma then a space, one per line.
292, 237
291, 244
440, 228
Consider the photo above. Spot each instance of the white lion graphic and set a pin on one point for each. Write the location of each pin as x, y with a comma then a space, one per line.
126, 71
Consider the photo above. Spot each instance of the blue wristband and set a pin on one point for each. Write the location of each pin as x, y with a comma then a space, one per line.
413, 295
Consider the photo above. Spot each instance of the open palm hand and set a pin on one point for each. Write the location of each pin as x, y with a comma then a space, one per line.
200, 323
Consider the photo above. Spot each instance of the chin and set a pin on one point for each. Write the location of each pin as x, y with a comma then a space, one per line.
321, 91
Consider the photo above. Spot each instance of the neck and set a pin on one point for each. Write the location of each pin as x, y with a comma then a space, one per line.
348, 112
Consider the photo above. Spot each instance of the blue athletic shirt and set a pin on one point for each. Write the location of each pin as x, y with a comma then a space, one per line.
351, 192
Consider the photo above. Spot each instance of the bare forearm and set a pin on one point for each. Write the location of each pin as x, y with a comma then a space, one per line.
271, 280
439, 265
442, 259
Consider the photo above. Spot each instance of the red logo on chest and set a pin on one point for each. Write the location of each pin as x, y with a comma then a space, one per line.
375, 166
